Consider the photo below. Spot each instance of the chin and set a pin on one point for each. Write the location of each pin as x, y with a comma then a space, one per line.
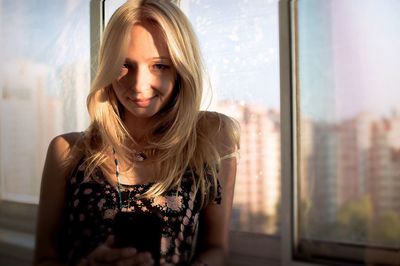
143, 113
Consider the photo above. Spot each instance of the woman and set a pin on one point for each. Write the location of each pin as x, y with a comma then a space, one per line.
148, 149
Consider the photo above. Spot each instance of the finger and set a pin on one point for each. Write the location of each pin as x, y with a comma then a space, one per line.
144, 258
141, 259
128, 252
113, 254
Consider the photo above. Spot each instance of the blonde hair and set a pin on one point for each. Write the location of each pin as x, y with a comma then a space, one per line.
181, 137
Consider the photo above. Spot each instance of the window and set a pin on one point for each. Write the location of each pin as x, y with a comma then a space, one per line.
45, 61
346, 131
46, 64
241, 52
338, 62
44, 80
239, 41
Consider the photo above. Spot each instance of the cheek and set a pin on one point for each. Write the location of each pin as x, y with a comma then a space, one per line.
168, 90
167, 86
124, 81
118, 91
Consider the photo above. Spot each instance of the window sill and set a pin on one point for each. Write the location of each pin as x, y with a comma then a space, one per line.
16, 248
254, 249
17, 229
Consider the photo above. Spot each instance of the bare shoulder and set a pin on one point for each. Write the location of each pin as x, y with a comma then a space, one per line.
60, 161
70, 137
59, 153
56, 171
218, 122
66, 141
222, 129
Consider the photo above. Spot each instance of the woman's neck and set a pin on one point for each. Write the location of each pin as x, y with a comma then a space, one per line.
138, 128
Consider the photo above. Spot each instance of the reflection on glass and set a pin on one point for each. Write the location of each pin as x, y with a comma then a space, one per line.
44, 79
349, 61
239, 41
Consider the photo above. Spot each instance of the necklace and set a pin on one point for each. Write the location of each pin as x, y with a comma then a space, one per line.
118, 181
139, 156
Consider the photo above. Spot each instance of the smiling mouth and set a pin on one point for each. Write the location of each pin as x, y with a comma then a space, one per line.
143, 102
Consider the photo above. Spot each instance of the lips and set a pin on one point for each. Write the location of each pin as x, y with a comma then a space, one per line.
143, 102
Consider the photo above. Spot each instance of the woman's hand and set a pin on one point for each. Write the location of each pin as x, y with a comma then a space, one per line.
106, 254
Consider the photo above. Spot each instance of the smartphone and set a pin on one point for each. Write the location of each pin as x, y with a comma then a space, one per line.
140, 230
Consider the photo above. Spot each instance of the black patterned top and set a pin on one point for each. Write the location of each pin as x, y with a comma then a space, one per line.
92, 205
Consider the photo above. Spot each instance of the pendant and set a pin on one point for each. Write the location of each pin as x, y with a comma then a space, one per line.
140, 156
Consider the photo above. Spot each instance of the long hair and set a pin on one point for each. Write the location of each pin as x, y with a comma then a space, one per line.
179, 137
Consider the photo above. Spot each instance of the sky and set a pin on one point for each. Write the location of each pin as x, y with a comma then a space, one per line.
239, 43
349, 57
51, 35
51, 32
242, 56
351, 52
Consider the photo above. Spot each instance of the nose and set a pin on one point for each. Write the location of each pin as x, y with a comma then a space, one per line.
142, 80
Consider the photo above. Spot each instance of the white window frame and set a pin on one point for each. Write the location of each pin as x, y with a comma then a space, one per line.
288, 78
287, 139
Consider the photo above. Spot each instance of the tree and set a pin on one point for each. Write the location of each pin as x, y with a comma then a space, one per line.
354, 220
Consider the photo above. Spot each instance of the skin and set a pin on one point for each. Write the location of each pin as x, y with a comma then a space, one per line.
144, 86
146, 81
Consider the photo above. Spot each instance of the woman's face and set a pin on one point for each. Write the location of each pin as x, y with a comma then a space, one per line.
146, 81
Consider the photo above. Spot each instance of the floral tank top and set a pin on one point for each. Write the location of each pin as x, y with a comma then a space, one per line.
92, 204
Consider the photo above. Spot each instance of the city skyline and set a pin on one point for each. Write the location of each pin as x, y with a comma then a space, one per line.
349, 168
258, 185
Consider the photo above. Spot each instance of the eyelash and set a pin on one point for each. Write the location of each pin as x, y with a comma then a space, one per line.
158, 67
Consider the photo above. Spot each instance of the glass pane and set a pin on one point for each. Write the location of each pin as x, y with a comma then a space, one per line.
44, 70
109, 8
241, 54
348, 67
239, 41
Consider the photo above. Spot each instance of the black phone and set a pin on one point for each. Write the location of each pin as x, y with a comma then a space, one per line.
140, 230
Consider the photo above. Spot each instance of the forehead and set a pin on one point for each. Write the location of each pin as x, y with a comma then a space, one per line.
146, 41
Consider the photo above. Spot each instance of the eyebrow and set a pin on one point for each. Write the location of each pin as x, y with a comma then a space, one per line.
161, 57
127, 60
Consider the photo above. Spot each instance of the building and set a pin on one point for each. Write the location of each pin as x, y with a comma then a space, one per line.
384, 184
27, 125
257, 189
74, 84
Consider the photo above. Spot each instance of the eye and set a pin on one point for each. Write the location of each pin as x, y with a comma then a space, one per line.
125, 65
160, 67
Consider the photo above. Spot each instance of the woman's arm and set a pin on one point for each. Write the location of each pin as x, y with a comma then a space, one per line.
215, 218
52, 198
